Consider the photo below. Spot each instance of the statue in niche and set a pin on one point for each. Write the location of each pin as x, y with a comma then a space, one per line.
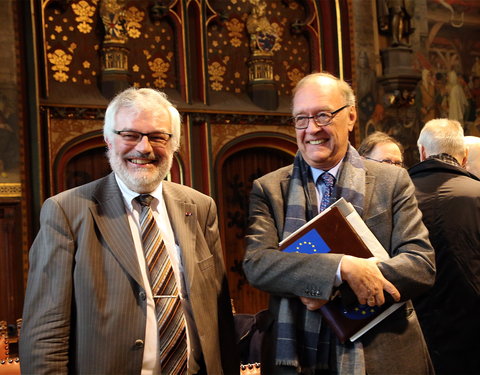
112, 14
262, 35
396, 18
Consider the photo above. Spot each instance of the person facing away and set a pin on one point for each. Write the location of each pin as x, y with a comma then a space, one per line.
283, 200
93, 297
380, 147
473, 158
449, 198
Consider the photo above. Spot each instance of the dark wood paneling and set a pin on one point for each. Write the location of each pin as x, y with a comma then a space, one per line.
11, 262
238, 172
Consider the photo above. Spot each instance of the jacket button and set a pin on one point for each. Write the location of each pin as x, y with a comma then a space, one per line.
139, 344
142, 295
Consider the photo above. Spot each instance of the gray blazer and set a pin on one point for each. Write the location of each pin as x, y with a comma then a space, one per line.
395, 346
85, 303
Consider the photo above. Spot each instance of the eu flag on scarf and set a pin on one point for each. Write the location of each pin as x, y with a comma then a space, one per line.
310, 243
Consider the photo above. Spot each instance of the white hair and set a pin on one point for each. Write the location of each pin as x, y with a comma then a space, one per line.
473, 158
443, 136
144, 99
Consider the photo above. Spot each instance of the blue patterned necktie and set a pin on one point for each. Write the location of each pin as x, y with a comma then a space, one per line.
329, 181
169, 312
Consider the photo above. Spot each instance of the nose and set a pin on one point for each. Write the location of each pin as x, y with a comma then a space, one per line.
312, 126
144, 144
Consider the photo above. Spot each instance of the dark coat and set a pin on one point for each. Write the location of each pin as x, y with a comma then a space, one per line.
449, 198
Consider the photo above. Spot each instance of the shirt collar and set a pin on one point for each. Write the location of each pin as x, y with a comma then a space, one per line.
316, 173
130, 195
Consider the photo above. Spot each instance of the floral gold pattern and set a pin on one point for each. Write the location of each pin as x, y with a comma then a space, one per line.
60, 61
235, 29
216, 72
134, 17
159, 68
294, 76
84, 13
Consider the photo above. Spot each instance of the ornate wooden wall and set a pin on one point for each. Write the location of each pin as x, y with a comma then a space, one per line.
228, 65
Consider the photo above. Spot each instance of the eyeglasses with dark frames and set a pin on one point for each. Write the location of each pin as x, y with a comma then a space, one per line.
323, 118
132, 137
388, 161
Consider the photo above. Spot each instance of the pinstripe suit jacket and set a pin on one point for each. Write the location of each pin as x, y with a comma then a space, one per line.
85, 305
396, 345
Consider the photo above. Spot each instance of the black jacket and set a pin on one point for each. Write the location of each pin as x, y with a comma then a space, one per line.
449, 198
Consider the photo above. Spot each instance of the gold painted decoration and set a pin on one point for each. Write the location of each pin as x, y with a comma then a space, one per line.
262, 34
294, 76
133, 18
84, 12
235, 29
159, 69
216, 72
114, 21
60, 61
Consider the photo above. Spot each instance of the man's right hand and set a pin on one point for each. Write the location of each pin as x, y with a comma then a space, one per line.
366, 280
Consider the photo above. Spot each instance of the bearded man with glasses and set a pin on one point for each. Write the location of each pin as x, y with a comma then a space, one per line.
127, 273
325, 169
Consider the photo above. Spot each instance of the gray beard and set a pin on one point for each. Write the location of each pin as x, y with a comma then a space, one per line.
139, 182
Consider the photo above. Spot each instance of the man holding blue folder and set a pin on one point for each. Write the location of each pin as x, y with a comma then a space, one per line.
325, 169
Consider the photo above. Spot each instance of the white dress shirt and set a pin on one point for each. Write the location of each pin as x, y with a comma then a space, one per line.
150, 355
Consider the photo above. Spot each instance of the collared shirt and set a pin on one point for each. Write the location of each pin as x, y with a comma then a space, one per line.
150, 354
320, 188
319, 184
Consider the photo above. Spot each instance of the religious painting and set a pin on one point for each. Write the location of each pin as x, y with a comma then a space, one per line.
442, 73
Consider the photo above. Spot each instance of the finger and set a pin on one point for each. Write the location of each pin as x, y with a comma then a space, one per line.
379, 299
390, 288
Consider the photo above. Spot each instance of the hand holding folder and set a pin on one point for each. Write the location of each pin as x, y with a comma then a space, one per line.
339, 229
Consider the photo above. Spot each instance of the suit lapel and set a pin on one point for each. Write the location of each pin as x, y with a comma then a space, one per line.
351, 183
111, 218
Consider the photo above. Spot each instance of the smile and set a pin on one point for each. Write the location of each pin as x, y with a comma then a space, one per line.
318, 141
141, 161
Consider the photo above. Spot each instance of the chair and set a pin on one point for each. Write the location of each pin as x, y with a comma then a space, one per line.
8, 365
250, 331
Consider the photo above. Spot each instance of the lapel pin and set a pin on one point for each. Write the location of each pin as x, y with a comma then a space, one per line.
188, 214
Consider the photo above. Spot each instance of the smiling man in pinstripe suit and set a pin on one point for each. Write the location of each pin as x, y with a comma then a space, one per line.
89, 307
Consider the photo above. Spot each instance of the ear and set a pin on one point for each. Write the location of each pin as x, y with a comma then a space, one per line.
109, 145
423, 153
465, 158
352, 117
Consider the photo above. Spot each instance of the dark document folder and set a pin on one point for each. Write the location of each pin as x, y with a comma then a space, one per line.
332, 232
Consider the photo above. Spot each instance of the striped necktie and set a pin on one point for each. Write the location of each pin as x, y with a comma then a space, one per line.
328, 181
169, 312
